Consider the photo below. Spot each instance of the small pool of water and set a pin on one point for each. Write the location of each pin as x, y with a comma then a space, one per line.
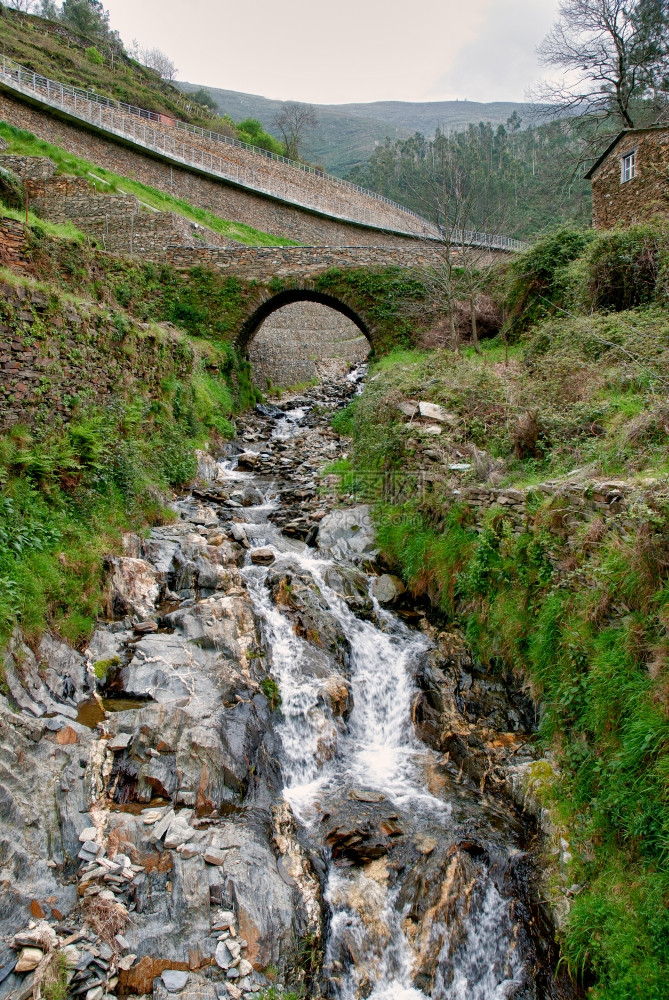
95, 710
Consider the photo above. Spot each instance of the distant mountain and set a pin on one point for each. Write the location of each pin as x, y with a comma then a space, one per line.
348, 133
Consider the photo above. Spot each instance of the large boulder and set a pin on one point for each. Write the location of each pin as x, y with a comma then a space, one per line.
387, 589
349, 534
134, 586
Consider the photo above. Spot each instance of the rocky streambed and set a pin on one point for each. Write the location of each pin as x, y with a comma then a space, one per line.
268, 770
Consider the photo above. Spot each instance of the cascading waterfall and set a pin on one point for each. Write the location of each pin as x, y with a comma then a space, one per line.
375, 749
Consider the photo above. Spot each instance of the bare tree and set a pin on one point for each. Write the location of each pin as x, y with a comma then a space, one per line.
294, 121
463, 260
49, 10
614, 55
156, 60
24, 5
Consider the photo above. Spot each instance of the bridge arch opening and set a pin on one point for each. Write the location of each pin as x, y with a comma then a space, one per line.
299, 336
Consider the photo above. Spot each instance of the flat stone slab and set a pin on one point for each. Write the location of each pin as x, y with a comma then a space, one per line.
262, 557
120, 742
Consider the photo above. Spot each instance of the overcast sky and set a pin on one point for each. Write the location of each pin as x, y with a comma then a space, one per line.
347, 50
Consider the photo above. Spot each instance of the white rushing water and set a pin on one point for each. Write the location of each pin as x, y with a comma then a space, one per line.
376, 749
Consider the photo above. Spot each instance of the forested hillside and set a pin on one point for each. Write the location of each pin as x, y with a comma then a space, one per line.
514, 180
348, 134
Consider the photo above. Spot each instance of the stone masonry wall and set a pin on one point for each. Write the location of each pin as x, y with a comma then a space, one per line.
65, 198
642, 198
264, 263
292, 341
252, 169
223, 199
12, 244
28, 167
55, 354
116, 221
574, 502
150, 234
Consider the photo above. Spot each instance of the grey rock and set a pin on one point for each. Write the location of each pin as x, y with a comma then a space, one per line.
178, 832
387, 589
134, 586
262, 557
432, 411
223, 956
174, 980
213, 856
348, 534
159, 830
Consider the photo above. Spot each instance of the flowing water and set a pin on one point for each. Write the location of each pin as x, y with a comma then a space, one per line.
379, 943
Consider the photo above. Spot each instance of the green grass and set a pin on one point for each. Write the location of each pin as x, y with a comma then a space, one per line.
62, 230
67, 495
605, 714
24, 143
68, 490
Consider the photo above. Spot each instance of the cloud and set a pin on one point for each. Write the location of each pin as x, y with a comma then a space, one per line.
500, 64
352, 50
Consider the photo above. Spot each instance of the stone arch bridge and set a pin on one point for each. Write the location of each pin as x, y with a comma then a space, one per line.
381, 290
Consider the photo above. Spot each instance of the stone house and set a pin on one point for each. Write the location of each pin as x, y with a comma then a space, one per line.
630, 180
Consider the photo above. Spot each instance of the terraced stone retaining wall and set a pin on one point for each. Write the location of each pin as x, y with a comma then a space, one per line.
225, 200
55, 355
115, 221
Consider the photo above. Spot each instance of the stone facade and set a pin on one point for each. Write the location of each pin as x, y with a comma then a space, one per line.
151, 234
646, 194
39, 168
55, 354
292, 343
264, 263
229, 202
12, 244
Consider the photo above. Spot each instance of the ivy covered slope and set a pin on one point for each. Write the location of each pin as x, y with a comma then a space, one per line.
569, 423
118, 371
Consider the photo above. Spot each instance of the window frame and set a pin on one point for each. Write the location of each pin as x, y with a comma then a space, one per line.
629, 155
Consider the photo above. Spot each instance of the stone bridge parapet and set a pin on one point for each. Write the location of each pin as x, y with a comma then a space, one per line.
265, 263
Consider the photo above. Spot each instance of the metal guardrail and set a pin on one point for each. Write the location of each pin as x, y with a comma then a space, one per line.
128, 121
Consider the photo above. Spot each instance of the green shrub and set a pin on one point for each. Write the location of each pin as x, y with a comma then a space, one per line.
540, 279
624, 266
270, 689
93, 56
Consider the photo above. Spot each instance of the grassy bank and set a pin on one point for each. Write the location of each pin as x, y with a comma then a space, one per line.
577, 605
72, 483
106, 182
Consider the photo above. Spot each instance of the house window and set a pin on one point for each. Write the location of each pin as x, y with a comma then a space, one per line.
628, 166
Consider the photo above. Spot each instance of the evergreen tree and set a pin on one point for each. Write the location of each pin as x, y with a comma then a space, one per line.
88, 17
